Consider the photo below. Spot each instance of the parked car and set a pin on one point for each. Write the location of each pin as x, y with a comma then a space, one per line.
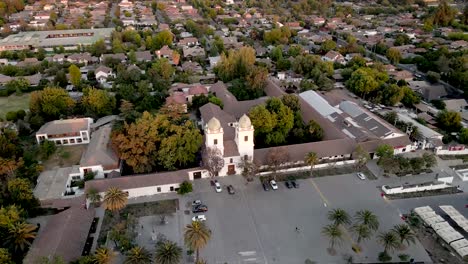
265, 186
231, 190
200, 209
361, 175
288, 184
294, 183
218, 187
273, 184
199, 218
196, 202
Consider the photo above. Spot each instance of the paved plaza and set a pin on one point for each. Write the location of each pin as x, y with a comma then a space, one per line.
254, 226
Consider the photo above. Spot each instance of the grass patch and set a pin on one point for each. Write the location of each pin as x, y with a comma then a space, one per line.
14, 103
136, 211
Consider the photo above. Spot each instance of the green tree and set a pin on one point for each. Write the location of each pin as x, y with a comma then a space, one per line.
93, 195
277, 36
367, 218
449, 121
384, 151
103, 256
433, 77
392, 94
328, 45
115, 199
50, 260
291, 101
196, 236
365, 80
5, 256
97, 102
163, 68
167, 253
51, 102
394, 55
410, 98
19, 85
444, 14
158, 140
389, 240
362, 232
339, 217
463, 136
138, 255
334, 233
405, 234
311, 159
164, 37
99, 48
20, 236
47, 148
401, 39
75, 74
277, 53
272, 122
185, 187
21, 193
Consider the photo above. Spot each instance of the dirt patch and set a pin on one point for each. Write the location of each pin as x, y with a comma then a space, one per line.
65, 156
437, 252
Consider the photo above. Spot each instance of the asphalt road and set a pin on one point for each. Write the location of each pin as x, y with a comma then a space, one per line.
254, 226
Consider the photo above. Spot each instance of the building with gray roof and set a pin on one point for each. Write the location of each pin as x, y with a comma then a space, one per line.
69, 39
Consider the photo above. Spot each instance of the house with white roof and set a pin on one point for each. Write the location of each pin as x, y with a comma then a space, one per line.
66, 132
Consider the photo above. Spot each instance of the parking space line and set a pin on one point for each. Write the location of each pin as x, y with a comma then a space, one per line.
326, 202
254, 225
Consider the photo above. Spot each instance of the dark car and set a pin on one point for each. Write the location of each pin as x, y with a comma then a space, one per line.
288, 184
231, 190
295, 184
265, 186
199, 209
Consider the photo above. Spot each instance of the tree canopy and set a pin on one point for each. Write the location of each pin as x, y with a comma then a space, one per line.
97, 103
157, 141
51, 102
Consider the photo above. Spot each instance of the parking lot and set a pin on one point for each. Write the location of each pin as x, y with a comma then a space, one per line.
254, 226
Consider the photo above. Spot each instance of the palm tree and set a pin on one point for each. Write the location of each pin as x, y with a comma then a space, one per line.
333, 232
339, 217
196, 237
362, 232
311, 159
103, 256
367, 218
93, 195
405, 234
389, 240
115, 199
20, 235
137, 255
167, 253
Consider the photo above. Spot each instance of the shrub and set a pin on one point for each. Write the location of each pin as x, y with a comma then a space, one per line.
185, 187
89, 176
20, 114
48, 148
384, 257
404, 257
11, 116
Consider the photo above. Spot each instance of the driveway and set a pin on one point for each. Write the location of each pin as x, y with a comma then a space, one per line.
254, 226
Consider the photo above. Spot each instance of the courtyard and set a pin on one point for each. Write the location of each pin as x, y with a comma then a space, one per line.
254, 226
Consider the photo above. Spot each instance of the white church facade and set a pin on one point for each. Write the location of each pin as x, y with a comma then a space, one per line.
233, 150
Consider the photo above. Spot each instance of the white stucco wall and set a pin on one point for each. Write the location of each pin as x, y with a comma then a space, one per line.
417, 188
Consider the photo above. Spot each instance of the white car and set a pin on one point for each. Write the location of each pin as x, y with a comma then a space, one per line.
218, 187
273, 184
199, 218
361, 175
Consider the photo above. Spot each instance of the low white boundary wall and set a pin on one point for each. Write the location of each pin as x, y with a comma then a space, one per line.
305, 168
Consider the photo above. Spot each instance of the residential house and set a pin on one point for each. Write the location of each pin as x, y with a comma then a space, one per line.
402, 75
334, 56
168, 53
103, 73
66, 132
193, 67
143, 56
58, 58
179, 99
188, 42
428, 91
121, 57
193, 52
81, 58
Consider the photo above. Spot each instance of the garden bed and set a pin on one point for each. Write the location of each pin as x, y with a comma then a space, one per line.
450, 190
320, 173
137, 211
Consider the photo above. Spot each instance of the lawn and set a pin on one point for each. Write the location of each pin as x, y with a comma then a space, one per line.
13, 103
